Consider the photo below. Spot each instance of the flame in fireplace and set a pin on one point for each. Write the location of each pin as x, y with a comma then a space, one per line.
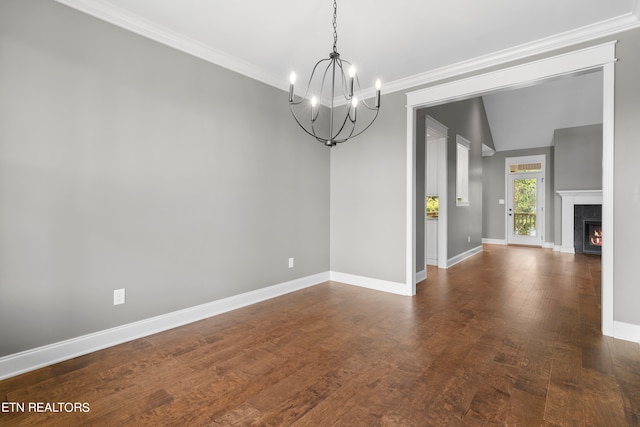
596, 236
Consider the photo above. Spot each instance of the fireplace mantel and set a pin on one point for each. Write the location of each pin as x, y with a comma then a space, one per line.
569, 200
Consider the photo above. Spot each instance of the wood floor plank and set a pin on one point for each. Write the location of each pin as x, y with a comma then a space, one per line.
509, 337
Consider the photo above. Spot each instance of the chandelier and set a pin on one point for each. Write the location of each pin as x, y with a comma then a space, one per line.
327, 110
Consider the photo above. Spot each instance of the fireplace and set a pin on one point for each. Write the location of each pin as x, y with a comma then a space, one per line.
592, 243
570, 199
587, 233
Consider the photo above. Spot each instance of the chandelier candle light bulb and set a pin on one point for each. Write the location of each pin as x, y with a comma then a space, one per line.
352, 75
354, 104
314, 102
292, 81
340, 92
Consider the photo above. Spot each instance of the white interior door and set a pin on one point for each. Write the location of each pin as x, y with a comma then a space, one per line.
525, 208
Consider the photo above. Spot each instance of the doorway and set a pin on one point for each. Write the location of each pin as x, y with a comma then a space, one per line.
599, 57
525, 217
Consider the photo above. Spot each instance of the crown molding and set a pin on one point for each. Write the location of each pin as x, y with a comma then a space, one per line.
580, 35
136, 24
119, 17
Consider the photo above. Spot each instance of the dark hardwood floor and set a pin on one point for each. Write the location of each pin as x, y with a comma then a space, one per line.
508, 337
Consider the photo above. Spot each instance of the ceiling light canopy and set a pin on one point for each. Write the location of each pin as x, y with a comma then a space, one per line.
328, 110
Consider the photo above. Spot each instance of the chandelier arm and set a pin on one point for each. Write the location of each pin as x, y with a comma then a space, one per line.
313, 121
313, 72
354, 135
362, 100
350, 135
345, 92
305, 129
306, 93
333, 88
293, 113
368, 107
344, 122
324, 76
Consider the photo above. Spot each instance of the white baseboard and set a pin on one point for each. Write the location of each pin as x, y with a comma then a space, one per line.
545, 245
567, 249
461, 257
421, 275
368, 282
493, 241
626, 331
29, 360
557, 248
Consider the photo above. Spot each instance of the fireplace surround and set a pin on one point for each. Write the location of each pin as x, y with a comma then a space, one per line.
569, 200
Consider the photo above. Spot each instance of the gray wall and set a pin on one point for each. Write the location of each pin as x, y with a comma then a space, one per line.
626, 183
493, 214
127, 164
391, 142
368, 219
578, 165
468, 119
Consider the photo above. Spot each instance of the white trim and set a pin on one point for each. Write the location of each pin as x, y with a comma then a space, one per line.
437, 127
15, 364
600, 56
535, 158
558, 41
487, 151
626, 331
462, 173
569, 200
371, 283
443, 132
548, 245
463, 141
421, 275
136, 24
608, 138
410, 252
463, 256
494, 242
529, 72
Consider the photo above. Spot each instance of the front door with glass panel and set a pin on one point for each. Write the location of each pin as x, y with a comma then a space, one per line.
525, 217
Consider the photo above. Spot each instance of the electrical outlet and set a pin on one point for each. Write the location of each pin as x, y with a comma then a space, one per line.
290, 262
468, 239
118, 296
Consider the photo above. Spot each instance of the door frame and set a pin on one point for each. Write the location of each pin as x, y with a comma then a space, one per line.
597, 57
541, 213
442, 133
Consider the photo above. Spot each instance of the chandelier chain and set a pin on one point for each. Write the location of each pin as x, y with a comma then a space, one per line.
335, 27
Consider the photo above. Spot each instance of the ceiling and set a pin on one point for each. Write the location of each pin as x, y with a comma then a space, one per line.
415, 43
526, 117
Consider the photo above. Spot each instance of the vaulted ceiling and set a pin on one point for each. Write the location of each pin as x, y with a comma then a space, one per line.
403, 43
527, 117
